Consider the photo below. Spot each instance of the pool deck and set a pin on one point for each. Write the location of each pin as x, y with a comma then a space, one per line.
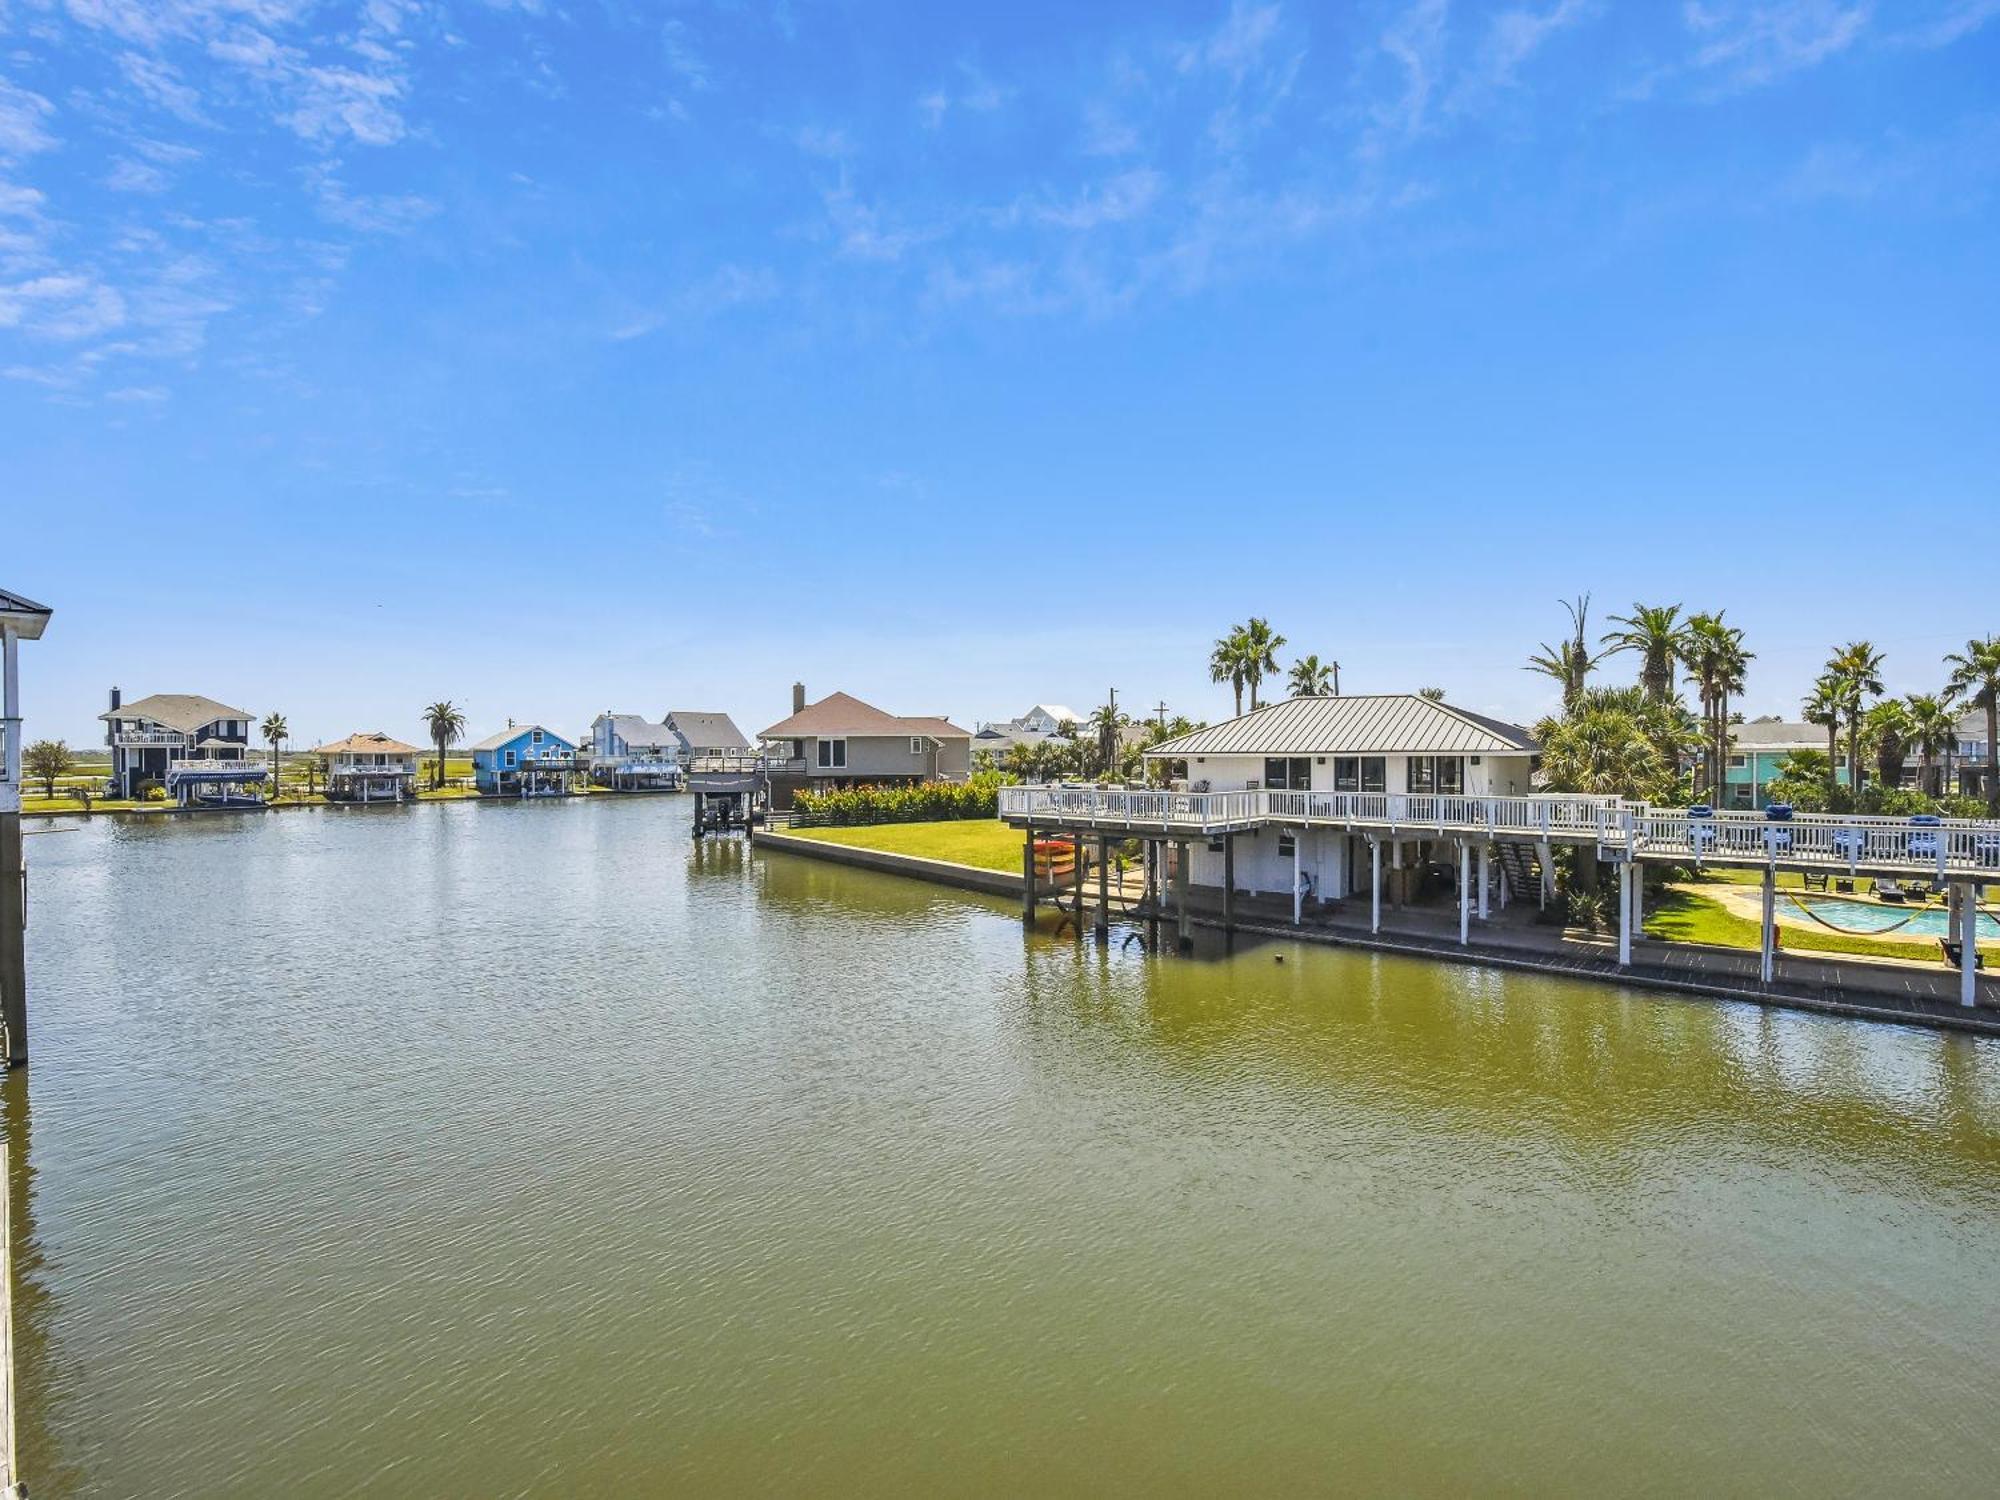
1855, 987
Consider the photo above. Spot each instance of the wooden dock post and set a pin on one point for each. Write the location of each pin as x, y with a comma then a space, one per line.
1076, 885
13, 940
1103, 890
1229, 882
1464, 893
1028, 875
1186, 935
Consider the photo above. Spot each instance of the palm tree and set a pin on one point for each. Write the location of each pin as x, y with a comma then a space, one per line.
1933, 731
1856, 670
1604, 747
1106, 723
1713, 653
275, 731
1655, 632
1570, 663
1822, 707
1228, 662
1432, 694
447, 726
1887, 728
1309, 679
1260, 654
1975, 678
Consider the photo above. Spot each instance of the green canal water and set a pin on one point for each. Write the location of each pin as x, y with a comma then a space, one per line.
531, 1150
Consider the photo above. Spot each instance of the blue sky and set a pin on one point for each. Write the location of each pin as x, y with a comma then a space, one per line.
555, 358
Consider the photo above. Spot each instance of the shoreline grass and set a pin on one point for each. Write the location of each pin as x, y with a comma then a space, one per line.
981, 843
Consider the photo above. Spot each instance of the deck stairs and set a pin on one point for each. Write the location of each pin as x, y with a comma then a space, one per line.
1518, 862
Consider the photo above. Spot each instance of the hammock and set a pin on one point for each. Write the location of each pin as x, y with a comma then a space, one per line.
1851, 931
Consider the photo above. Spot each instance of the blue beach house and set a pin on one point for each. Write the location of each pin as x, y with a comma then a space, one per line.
524, 760
1757, 753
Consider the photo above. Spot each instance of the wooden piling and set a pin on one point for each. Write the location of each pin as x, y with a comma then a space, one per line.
13, 940
1103, 890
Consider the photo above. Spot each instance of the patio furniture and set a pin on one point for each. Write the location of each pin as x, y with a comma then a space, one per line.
1701, 832
1926, 830
1888, 890
1778, 838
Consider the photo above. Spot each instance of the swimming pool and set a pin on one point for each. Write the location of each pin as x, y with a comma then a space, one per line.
1883, 916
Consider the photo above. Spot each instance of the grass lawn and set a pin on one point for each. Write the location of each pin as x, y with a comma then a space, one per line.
1688, 917
986, 843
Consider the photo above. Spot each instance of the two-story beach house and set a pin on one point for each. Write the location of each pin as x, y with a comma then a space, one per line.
195, 748
1757, 754
630, 752
701, 733
1395, 743
524, 760
368, 768
841, 741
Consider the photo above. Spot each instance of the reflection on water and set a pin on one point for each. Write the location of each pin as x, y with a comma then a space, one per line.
541, 1149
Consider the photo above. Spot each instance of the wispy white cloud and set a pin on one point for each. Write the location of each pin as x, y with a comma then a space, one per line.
970, 92
24, 120
1753, 42
372, 213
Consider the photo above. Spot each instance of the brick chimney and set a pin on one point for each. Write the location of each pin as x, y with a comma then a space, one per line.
798, 697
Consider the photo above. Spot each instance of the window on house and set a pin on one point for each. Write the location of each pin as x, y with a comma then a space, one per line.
1346, 773
1374, 773
1738, 762
510, 757
1451, 775
1420, 772
1288, 774
536, 736
832, 755
916, 744
1286, 845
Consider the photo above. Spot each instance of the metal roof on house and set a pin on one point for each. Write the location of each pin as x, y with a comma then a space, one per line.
186, 712
507, 737
707, 731
841, 714
23, 616
359, 743
1370, 724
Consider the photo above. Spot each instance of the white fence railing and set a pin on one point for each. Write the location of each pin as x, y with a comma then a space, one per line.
139, 739
217, 768
1944, 846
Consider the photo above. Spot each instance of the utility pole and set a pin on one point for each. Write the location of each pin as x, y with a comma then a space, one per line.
1160, 709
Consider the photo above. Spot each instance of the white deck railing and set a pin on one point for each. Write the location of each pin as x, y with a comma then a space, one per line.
134, 739
217, 768
1948, 846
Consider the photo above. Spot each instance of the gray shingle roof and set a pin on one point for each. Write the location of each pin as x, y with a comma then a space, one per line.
638, 731
706, 731
186, 712
1773, 734
1371, 724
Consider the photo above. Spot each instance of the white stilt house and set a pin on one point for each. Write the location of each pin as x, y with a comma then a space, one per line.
1393, 743
369, 768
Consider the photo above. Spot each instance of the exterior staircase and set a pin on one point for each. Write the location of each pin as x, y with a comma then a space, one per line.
1521, 867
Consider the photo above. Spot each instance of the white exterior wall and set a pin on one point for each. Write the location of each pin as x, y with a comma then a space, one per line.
1260, 869
1494, 776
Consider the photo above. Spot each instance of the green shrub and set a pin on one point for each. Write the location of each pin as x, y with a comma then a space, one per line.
924, 802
